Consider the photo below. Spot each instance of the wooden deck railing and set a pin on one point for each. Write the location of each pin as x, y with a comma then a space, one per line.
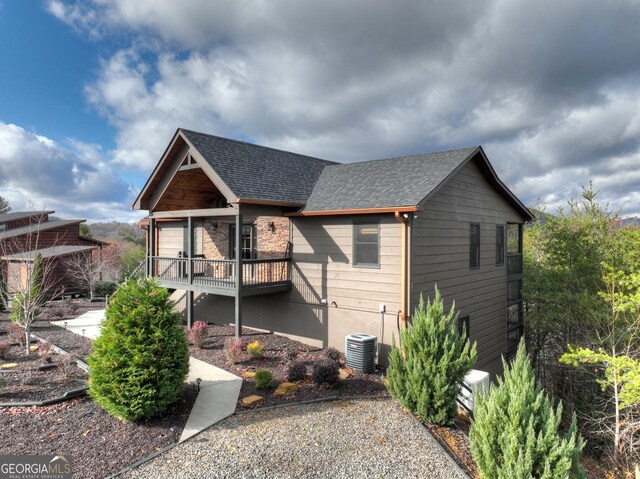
221, 273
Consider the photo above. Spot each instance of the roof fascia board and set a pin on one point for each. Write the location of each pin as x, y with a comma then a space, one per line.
200, 213
493, 176
137, 204
362, 211
168, 177
523, 209
255, 201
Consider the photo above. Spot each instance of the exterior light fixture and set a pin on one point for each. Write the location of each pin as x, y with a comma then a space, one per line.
272, 227
198, 381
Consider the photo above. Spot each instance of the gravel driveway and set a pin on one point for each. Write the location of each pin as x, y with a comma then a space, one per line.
340, 439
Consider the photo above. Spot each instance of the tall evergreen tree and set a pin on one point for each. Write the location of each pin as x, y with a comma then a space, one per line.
141, 358
515, 433
5, 207
425, 372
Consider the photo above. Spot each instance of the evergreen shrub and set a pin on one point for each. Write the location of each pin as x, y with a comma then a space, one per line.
296, 371
425, 372
255, 349
105, 288
264, 379
515, 432
140, 360
326, 372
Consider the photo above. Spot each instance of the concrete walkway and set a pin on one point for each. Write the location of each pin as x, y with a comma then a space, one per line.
89, 322
219, 389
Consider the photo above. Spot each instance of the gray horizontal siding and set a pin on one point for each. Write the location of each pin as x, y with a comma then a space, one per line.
440, 255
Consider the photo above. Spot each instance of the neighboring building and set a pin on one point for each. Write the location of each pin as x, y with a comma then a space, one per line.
330, 249
25, 233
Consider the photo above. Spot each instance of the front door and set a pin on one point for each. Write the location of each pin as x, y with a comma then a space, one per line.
249, 243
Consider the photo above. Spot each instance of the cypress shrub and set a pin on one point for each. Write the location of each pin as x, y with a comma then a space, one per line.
140, 360
425, 372
515, 430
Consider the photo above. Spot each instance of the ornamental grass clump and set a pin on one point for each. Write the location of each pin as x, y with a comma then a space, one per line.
198, 333
141, 358
233, 349
425, 372
515, 432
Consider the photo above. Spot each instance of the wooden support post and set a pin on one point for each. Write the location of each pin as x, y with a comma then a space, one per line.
189, 308
190, 249
151, 240
238, 296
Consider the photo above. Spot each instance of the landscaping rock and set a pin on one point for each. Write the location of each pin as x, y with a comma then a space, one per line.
248, 374
251, 401
34, 348
345, 373
286, 389
9, 365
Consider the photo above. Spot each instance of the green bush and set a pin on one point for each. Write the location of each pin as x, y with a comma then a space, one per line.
425, 373
515, 430
264, 379
296, 371
326, 372
140, 360
105, 288
255, 349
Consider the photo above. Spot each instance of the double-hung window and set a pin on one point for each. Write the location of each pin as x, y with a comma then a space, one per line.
474, 246
366, 243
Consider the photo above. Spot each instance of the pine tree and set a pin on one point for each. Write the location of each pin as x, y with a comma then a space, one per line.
141, 358
5, 207
425, 372
515, 429
37, 280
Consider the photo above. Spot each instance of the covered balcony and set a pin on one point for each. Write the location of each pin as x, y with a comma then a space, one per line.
219, 276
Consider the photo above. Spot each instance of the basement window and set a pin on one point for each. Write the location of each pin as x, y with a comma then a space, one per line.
366, 244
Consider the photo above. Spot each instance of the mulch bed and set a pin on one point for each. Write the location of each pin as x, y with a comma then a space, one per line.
33, 379
60, 311
98, 444
212, 352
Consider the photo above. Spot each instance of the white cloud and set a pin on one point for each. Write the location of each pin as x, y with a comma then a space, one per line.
75, 180
549, 88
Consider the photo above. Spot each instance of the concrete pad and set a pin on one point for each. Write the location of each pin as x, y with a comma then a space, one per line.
217, 399
89, 321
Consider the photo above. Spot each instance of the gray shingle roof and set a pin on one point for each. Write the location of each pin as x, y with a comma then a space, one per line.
49, 252
17, 215
257, 172
387, 183
46, 225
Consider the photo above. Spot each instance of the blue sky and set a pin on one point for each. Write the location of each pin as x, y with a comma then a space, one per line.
91, 92
47, 65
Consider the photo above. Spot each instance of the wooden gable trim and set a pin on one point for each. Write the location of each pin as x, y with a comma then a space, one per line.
148, 199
